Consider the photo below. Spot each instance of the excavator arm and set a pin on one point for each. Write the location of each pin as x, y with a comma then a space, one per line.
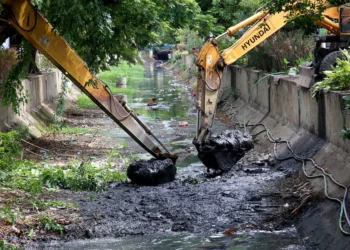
211, 61
32, 25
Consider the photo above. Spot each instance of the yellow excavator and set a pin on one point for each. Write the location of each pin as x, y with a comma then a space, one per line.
31, 24
211, 60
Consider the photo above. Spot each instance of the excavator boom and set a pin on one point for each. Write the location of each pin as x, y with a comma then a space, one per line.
31, 24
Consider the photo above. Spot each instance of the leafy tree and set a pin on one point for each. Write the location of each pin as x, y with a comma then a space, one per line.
205, 5
104, 32
307, 9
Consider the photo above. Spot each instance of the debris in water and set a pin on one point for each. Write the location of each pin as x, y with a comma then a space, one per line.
152, 172
152, 101
183, 124
221, 152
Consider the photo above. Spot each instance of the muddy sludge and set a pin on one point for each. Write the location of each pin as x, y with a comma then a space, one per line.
193, 204
152, 172
223, 151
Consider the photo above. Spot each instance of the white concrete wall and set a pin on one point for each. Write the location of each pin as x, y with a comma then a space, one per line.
288, 102
42, 91
312, 126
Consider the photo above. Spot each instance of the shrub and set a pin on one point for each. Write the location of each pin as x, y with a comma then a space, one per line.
189, 39
282, 47
8, 58
336, 79
33, 177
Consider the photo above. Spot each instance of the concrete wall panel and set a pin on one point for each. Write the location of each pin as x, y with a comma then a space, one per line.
308, 111
242, 85
292, 103
284, 101
40, 90
334, 118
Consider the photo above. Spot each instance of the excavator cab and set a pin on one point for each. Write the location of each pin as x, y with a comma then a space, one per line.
345, 19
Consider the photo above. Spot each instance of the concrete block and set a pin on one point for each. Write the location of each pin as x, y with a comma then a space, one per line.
284, 101
335, 120
39, 89
53, 85
189, 60
226, 90
309, 111
306, 76
253, 77
241, 80
183, 59
262, 98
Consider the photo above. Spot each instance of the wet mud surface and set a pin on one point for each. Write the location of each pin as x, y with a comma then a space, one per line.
252, 194
151, 172
192, 203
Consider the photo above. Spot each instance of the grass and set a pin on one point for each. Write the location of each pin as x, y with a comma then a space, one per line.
70, 130
85, 102
134, 73
34, 177
24, 184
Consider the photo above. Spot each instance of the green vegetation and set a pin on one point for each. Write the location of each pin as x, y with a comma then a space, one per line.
84, 102
25, 184
34, 177
274, 54
104, 33
337, 78
42, 204
7, 214
345, 133
134, 73
57, 129
50, 224
4, 245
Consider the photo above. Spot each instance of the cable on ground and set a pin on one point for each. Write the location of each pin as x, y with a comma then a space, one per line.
324, 174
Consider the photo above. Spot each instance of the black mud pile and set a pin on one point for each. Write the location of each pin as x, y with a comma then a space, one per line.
222, 152
191, 203
152, 172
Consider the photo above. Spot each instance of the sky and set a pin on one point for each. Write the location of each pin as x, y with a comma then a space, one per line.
6, 44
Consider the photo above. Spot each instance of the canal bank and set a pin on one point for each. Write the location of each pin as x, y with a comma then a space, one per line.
259, 200
313, 129
246, 207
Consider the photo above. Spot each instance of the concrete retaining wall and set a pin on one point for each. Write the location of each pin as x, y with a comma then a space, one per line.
42, 91
313, 127
188, 60
288, 102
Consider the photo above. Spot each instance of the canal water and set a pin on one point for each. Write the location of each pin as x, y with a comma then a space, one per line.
176, 105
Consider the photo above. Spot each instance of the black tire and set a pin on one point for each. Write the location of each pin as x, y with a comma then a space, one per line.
328, 61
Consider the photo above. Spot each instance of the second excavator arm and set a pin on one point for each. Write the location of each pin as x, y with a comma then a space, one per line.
211, 61
31, 24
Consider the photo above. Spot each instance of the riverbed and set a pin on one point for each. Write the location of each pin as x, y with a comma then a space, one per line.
247, 208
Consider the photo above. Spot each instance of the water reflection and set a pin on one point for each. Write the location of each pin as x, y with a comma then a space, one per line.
259, 240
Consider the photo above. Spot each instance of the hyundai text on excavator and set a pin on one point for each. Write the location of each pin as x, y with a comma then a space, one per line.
31, 24
212, 60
